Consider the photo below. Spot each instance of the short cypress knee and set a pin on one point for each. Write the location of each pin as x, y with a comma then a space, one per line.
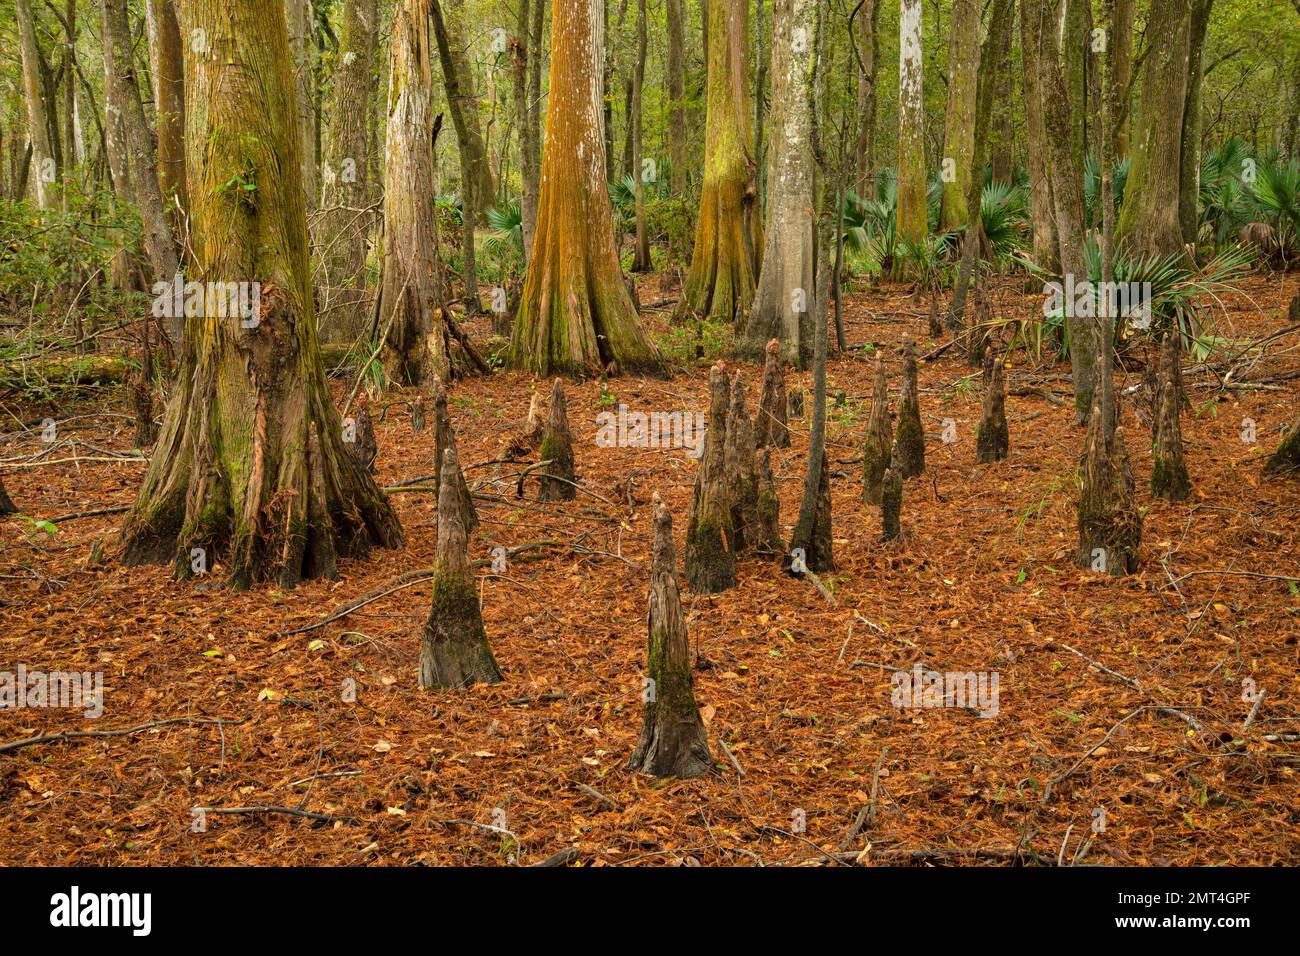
454, 649
7, 506
991, 438
768, 537
557, 448
362, 444
772, 428
909, 441
710, 535
891, 503
1168, 470
880, 436
673, 741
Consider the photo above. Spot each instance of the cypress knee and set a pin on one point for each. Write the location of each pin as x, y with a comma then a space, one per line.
772, 428
710, 536
738, 462
673, 740
880, 436
794, 404
7, 506
418, 413
891, 503
1168, 470
991, 438
444, 440
909, 442
454, 649
557, 448
768, 537
1287, 457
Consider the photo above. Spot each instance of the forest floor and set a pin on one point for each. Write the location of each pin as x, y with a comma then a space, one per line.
797, 688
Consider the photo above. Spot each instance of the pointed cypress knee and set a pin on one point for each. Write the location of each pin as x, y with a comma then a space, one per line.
909, 440
454, 649
880, 437
1110, 525
444, 440
768, 538
991, 438
738, 462
557, 448
710, 536
891, 504
673, 740
7, 506
1168, 470
772, 428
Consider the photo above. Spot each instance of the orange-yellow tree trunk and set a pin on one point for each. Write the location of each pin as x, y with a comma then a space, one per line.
575, 316
251, 468
729, 234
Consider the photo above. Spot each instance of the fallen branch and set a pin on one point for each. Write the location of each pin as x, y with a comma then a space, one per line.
66, 735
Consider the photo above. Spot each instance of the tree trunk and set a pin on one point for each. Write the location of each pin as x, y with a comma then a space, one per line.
812, 530
760, 100
168, 67
454, 649
1045, 244
959, 124
784, 301
641, 257
1189, 187
1169, 478
1067, 197
728, 233
38, 120
525, 49
868, 50
345, 219
1149, 220
1076, 43
462, 101
119, 74
251, 462
298, 14
912, 218
677, 142
411, 309
673, 741
575, 316
1002, 138
1122, 58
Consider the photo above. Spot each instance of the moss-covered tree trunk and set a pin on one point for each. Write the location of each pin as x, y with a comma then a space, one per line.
1149, 220
454, 649
673, 741
168, 64
784, 300
728, 232
912, 218
298, 22
411, 306
959, 122
251, 466
676, 70
575, 316
345, 218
